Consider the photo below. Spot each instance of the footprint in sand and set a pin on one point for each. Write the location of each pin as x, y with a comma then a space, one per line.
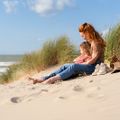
44, 90
16, 100
93, 92
62, 97
78, 88
27, 97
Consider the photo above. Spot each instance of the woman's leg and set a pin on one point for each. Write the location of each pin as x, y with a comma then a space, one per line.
76, 69
72, 70
35, 80
42, 79
53, 79
61, 69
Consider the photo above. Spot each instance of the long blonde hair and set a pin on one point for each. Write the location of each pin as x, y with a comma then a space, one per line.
93, 35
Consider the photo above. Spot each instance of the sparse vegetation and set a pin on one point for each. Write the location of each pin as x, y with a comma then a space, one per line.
53, 52
113, 42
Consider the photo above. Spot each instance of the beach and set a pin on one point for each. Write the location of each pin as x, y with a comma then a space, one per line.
82, 98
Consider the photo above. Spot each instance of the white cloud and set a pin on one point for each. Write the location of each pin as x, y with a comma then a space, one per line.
60, 4
41, 7
10, 5
44, 7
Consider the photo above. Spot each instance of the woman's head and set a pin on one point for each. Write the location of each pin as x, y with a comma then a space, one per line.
88, 32
85, 48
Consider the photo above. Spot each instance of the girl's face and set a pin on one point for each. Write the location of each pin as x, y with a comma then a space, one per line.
82, 50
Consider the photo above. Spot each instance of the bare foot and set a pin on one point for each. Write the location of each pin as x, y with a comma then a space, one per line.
54, 79
50, 81
35, 80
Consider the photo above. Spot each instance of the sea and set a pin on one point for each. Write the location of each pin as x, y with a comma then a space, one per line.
7, 60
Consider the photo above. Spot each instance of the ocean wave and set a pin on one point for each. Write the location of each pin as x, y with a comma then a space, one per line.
6, 64
3, 70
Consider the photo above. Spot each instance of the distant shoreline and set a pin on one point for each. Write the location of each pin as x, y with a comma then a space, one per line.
7, 60
10, 58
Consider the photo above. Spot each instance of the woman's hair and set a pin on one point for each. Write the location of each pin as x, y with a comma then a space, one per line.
86, 47
90, 31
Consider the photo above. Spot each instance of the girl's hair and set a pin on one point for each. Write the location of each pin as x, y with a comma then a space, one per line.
86, 46
93, 35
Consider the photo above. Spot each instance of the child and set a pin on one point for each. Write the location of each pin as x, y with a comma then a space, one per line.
85, 53
84, 57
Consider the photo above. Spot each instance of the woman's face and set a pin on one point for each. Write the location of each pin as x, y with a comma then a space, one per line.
84, 36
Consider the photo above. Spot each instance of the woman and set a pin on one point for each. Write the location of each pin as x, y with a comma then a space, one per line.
97, 43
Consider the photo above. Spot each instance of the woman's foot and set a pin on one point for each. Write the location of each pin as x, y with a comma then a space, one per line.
54, 79
36, 80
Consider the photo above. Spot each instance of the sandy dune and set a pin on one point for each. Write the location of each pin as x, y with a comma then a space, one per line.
83, 98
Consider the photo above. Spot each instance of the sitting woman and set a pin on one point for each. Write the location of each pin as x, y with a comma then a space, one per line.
88, 32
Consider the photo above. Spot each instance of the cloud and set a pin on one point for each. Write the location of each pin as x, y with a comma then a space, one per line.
10, 5
60, 4
41, 7
45, 7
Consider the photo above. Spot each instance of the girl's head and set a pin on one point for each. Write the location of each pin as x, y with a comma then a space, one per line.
85, 48
88, 32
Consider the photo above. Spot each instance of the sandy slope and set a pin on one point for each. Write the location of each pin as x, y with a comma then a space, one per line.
83, 98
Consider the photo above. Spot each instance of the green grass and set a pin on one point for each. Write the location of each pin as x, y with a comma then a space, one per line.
113, 42
53, 52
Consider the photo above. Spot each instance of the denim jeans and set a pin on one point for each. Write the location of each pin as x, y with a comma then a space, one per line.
68, 70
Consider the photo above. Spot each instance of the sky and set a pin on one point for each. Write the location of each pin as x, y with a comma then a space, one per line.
26, 24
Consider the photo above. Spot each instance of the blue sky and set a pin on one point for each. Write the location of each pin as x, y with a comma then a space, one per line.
26, 24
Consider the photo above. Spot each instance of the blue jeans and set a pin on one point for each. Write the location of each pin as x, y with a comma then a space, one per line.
68, 70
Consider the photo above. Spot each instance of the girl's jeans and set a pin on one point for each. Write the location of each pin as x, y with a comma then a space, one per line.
68, 70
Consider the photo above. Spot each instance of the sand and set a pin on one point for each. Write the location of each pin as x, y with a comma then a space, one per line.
82, 98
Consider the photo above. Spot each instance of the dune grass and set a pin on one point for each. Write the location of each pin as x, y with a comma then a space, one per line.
53, 52
113, 42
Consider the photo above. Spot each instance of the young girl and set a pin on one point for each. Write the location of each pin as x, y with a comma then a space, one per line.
84, 57
84, 53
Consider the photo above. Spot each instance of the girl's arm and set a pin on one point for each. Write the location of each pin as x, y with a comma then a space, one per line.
95, 54
76, 59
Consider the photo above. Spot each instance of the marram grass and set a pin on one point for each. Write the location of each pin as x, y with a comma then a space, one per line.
113, 42
53, 52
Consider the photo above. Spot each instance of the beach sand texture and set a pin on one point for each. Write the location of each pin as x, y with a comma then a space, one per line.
83, 98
